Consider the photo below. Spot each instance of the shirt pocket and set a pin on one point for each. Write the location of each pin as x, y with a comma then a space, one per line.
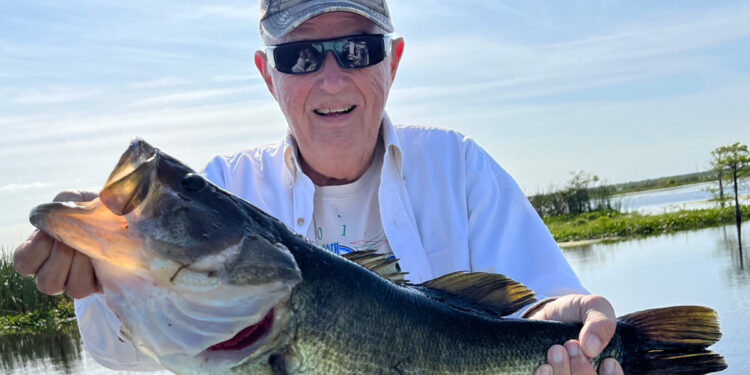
450, 258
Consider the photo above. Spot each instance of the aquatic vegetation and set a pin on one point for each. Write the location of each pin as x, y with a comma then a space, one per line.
23, 308
613, 224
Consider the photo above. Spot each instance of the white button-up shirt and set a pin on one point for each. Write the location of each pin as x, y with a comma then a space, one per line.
445, 206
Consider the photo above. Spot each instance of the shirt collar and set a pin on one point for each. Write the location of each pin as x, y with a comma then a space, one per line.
290, 155
393, 149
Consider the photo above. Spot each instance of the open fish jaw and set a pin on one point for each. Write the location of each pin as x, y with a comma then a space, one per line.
178, 264
162, 321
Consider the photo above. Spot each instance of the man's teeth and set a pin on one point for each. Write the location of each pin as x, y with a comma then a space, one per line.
334, 111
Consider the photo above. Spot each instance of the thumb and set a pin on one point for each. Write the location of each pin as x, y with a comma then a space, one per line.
599, 325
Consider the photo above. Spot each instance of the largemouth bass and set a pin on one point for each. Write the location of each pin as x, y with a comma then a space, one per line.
207, 283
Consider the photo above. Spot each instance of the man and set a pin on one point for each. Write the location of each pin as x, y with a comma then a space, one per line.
349, 179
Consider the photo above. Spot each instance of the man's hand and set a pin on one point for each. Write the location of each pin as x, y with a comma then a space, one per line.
599, 323
57, 267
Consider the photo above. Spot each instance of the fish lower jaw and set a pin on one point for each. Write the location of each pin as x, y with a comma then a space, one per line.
251, 345
247, 336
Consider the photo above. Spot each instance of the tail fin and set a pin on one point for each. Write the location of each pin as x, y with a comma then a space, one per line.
673, 340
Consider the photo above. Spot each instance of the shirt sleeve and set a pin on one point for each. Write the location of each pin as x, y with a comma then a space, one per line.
214, 171
99, 329
507, 236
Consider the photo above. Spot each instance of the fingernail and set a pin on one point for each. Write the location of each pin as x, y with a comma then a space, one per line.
592, 344
557, 354
545, 370
608, 367
572, 349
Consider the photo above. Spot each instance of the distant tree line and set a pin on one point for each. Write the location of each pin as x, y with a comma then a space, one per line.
584, 192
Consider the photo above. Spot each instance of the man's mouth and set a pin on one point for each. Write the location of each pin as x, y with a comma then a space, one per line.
326, 112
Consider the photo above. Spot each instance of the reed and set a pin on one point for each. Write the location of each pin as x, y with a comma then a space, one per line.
18, 294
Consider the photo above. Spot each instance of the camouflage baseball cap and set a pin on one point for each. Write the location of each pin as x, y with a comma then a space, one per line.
279, 17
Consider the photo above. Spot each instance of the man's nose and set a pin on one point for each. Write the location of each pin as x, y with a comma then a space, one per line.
333, 78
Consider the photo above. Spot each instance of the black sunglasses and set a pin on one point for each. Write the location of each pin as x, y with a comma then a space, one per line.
351, 52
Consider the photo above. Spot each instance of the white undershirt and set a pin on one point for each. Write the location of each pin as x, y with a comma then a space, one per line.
346, 218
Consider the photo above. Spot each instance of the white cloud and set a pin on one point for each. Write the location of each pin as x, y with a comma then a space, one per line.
224, 11
235, 78
52, 95
191, 96
158, 83
484, 66
18, 187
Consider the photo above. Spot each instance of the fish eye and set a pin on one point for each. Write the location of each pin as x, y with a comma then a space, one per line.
193, 182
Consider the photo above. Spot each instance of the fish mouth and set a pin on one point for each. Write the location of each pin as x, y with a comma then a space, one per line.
247, 336
100, 228
91, 228
247, 345
130, 181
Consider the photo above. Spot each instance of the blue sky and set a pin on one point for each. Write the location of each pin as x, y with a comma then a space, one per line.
624, 89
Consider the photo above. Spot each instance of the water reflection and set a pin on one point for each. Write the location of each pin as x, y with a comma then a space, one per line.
695, 196
55, 352
702, 267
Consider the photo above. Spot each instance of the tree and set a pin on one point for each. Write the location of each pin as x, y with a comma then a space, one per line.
580, 195
735, 160
717, 162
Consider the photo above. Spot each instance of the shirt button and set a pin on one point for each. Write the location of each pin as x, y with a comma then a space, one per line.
301, 221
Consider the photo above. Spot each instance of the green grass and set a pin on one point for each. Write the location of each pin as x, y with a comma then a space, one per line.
23, 308
612, 224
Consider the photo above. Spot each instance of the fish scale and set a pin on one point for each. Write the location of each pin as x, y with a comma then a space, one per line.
379, 329
211, 264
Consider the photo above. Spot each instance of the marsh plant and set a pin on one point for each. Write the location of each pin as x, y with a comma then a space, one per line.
18, 294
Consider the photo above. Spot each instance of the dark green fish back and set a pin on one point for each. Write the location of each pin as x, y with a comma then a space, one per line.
347, 319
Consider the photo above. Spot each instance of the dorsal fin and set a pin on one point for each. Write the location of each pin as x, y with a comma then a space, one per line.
482, 292
379, 264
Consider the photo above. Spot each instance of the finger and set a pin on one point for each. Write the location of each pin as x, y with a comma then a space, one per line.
31, 254
610, 366
599, 325
81, 281
557, 357
579, 363
544, 370
54, 272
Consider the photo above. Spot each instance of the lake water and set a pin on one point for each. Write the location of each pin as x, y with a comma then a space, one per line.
690, 197
697, 268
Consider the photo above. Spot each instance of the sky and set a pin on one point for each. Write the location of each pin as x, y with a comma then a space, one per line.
627, 90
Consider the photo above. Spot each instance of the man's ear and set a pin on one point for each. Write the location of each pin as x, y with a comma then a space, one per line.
397, 51
261, 62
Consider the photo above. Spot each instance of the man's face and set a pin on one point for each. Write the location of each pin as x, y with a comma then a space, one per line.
333, 112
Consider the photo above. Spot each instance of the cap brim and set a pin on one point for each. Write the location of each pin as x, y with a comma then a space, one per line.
281, 23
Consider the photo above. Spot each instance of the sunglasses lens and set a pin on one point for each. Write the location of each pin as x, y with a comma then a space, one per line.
298, 58
359, 51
